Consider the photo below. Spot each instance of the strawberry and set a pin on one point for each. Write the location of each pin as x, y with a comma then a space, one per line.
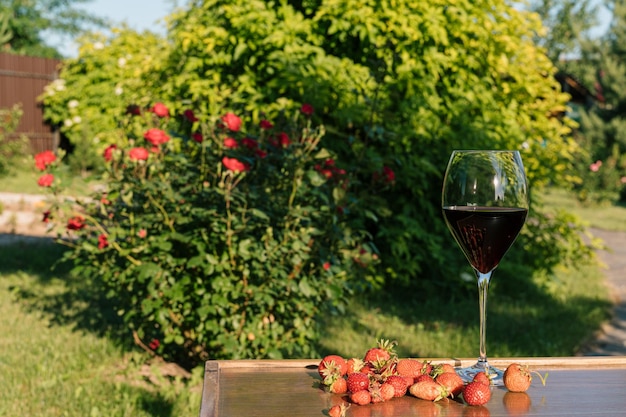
357, 381
424, 377
476, 393
355, 365
362, 397
517, 378
482, 377
408, 380
428, 390
410, 367
378, 356
338, 386
338, 410
453, 383
399, 385
441, 368
332, 364
387, 391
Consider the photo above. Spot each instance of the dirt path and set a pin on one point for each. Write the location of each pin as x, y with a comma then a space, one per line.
611, 338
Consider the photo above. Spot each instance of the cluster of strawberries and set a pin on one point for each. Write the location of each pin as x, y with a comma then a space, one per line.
381, 376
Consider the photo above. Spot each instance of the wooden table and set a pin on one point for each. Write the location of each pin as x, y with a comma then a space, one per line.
576, 386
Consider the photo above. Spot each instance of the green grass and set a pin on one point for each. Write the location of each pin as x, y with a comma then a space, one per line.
24, 181
60, 356
601, 216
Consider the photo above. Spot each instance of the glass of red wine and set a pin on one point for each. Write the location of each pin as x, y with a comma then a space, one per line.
485, 203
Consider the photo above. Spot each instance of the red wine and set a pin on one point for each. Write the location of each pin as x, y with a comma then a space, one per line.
484, 233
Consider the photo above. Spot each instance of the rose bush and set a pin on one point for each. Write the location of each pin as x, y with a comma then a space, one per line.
215, 241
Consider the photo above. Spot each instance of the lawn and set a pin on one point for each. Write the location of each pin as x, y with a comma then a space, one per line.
64, 354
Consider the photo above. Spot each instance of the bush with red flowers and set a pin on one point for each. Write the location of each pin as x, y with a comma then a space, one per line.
217, 239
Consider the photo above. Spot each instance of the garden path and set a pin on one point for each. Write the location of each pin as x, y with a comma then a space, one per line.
21, 218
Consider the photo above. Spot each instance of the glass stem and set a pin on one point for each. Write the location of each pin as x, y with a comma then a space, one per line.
483, 290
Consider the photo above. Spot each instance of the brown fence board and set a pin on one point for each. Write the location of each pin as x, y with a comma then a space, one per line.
22, 80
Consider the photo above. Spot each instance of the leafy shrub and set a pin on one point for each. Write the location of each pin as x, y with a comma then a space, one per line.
215, 241
13, 147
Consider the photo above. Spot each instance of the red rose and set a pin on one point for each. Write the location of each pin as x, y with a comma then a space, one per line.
133, 110
266, 124
250, 143
388, 174
307, 109
154, 344
232, 122
46, 216
260, 153
189, 115
230, 143
142, 233
160, 110
102, 242
156, 136
45, 180
283, 139
138, 154
235, 165
108, 152
43, 159
326, 266
197, 137
75, 223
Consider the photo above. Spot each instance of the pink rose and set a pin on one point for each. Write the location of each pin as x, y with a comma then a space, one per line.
108, 152
156, 136
138, 154
235, 165
43, 159
160, 110
232, 122
45, 180
142, 233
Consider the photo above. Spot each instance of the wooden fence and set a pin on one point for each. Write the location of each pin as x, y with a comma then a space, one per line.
22, 80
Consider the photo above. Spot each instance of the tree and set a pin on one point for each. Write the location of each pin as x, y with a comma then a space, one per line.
27, 20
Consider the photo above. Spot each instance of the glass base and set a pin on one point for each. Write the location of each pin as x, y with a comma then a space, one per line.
467, 373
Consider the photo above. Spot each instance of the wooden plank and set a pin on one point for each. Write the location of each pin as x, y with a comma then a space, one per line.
576, 386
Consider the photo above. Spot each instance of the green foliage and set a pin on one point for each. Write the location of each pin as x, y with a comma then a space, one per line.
95, 88
216, 250
398, 85
13, 147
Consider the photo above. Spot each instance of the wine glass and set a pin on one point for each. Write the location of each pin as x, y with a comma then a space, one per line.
485, 203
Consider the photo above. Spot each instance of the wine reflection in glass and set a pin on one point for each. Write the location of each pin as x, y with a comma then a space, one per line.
485, 203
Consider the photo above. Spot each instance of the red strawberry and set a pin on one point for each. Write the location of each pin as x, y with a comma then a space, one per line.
428, 390
408, 380
358, 381
517, 378
441, 368
482, 377
424, 377
409, 367
387, 391
453, 383
355, 365
399, 385
338, 410
378, 356
362, 397
476, 393
332, 364
338, 386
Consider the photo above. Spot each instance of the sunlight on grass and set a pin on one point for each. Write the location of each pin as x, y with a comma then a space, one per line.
601, 216
54, 368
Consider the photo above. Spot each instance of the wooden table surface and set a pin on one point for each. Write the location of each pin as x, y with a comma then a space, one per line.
576, 386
